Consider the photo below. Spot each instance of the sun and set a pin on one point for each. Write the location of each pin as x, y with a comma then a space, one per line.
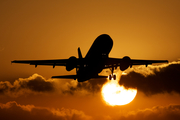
115, 94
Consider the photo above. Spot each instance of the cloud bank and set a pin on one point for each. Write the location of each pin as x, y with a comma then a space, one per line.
154, 79
36, 84
12, 110
171, 112
33, 84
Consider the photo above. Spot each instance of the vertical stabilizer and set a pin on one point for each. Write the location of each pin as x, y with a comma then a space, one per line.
79, 53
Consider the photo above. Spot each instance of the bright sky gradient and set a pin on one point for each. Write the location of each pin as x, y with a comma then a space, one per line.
54, 29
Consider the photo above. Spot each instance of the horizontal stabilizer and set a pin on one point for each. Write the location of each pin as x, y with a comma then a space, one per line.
75, 77
66, 77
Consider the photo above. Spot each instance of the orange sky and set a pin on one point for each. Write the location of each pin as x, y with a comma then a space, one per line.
43, 29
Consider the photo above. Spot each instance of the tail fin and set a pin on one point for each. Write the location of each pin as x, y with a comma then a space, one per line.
79, 53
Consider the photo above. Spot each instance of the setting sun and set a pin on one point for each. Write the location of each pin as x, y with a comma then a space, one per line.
114, 94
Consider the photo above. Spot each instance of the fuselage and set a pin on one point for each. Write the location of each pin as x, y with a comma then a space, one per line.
93, 63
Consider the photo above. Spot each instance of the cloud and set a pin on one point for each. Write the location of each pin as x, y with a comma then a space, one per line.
80, 88
36, 84
171, 112
93, 85
12, 110
154, 79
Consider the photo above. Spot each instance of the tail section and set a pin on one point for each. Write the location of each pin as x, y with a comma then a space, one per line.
79, 53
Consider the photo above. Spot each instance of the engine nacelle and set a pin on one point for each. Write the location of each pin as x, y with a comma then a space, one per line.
125, 63
71, 63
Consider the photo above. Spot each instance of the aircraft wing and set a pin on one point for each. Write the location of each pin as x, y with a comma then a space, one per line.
146, 62
57, 62
126, 60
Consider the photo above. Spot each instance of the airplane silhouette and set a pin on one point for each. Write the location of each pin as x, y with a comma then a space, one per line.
93, 63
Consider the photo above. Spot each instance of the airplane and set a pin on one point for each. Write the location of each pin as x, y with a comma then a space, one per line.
93, 63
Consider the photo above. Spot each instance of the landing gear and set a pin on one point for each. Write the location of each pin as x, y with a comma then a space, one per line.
112, 76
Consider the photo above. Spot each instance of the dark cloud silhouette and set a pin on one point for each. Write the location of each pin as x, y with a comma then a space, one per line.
12, 110
154, 79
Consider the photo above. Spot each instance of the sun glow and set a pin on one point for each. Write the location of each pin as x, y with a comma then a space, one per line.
115, 94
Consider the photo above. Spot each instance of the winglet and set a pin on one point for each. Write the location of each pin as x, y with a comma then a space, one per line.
79, 53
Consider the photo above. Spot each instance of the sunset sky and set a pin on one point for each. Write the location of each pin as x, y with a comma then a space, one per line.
54, 29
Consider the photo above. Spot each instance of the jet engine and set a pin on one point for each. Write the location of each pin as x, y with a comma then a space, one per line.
125, 63
71, 63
